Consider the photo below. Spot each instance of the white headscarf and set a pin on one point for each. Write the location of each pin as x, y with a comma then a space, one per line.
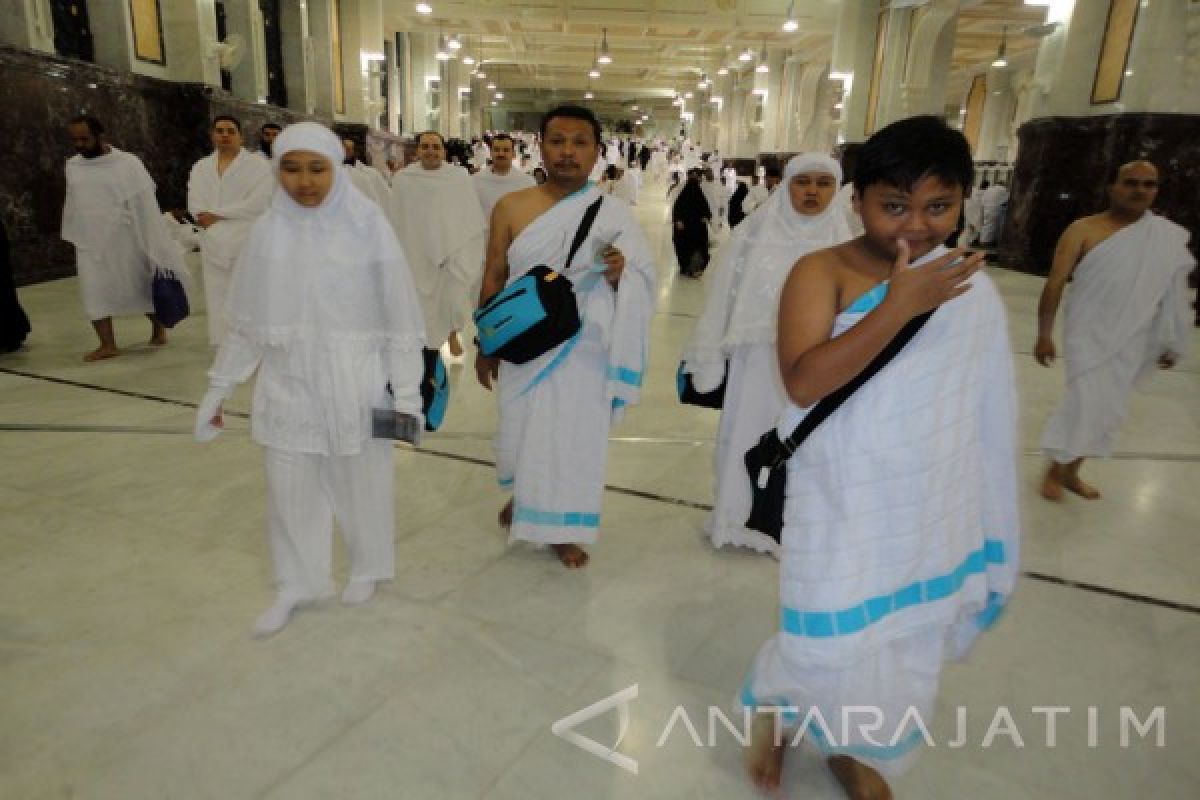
743, 293
335, 271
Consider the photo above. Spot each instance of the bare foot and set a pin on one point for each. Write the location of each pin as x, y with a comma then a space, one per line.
505, 515
860, 781
1052, 488
1073, 484
572, 556
101, 353
159, 337
764, 756
456, 348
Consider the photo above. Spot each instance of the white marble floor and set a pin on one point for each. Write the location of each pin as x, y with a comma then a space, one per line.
132, 562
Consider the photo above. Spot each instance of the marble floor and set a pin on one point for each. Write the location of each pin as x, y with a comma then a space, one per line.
133, 561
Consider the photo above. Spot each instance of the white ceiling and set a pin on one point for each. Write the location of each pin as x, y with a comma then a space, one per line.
539, 50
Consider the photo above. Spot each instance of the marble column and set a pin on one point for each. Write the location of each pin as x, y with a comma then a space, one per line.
297, 58
997, 111
770, 85
243, 18
852, 62
27, 24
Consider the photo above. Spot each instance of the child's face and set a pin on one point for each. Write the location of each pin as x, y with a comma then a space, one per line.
924, 217
306, 176
811, 192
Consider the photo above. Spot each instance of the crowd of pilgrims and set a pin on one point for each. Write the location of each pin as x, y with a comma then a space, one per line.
345, 288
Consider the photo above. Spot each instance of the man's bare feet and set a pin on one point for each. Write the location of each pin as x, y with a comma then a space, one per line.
1073, 484
101, 353
860, 781
572, 556
505, 516
1052, 487
158, 337
456, 348
764, 756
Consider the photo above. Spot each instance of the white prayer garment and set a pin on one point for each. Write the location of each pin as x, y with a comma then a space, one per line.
555, 411
239, 196
436, 216
324, 309
368, 181
757, 195
113, 219
972, 218
901, 532
995, 202
1126, 306
845, 202
718, 200
737, 333
629, 185
490, 187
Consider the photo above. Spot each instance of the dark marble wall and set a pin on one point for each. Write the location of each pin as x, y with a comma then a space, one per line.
165, 124
1063, 165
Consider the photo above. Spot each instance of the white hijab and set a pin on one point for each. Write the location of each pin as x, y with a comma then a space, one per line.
333, 273
760, 257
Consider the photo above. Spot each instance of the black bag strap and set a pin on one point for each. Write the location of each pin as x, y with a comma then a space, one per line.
585, 227
830, 402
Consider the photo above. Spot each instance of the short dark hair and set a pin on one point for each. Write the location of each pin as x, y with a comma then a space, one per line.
502, 137
94, 125
441, 138
773, 171
912, 149
571, 112
273, 125
237, 123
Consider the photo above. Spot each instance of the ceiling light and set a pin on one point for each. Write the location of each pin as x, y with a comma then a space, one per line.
491, 85
1001, 61
424, 8
633, 107
499, 95
588, 95
688, 95
762, 59
453, 43
790, 25
594, 73
493, 102
723, 70
479, 73
747, 55
442, 53
468, 59
604, 58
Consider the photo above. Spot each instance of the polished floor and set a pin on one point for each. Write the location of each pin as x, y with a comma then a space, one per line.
133, 561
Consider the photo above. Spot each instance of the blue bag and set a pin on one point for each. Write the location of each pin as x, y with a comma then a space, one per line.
535, 313
169, 298
435, 389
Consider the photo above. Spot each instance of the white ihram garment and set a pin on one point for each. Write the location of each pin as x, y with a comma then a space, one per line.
239, 195
112, 218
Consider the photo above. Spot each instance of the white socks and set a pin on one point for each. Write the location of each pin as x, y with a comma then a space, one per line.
275, 618
358, 591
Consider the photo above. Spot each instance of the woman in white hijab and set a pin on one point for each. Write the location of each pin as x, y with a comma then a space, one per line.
323, 307
734, 339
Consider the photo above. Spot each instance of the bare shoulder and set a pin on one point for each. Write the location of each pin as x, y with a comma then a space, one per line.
518, 209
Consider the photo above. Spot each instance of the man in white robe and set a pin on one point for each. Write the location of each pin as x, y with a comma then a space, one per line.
973, 216
757, 195
366, 179
435, 212
994, 204
555, 411
227, 190
1127, 313
112, 217
501, 178
718, 200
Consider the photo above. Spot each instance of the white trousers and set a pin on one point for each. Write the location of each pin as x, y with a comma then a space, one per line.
306, 492
217, 278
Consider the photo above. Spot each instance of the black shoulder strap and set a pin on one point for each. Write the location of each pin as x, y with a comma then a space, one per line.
830, 402
585, 227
